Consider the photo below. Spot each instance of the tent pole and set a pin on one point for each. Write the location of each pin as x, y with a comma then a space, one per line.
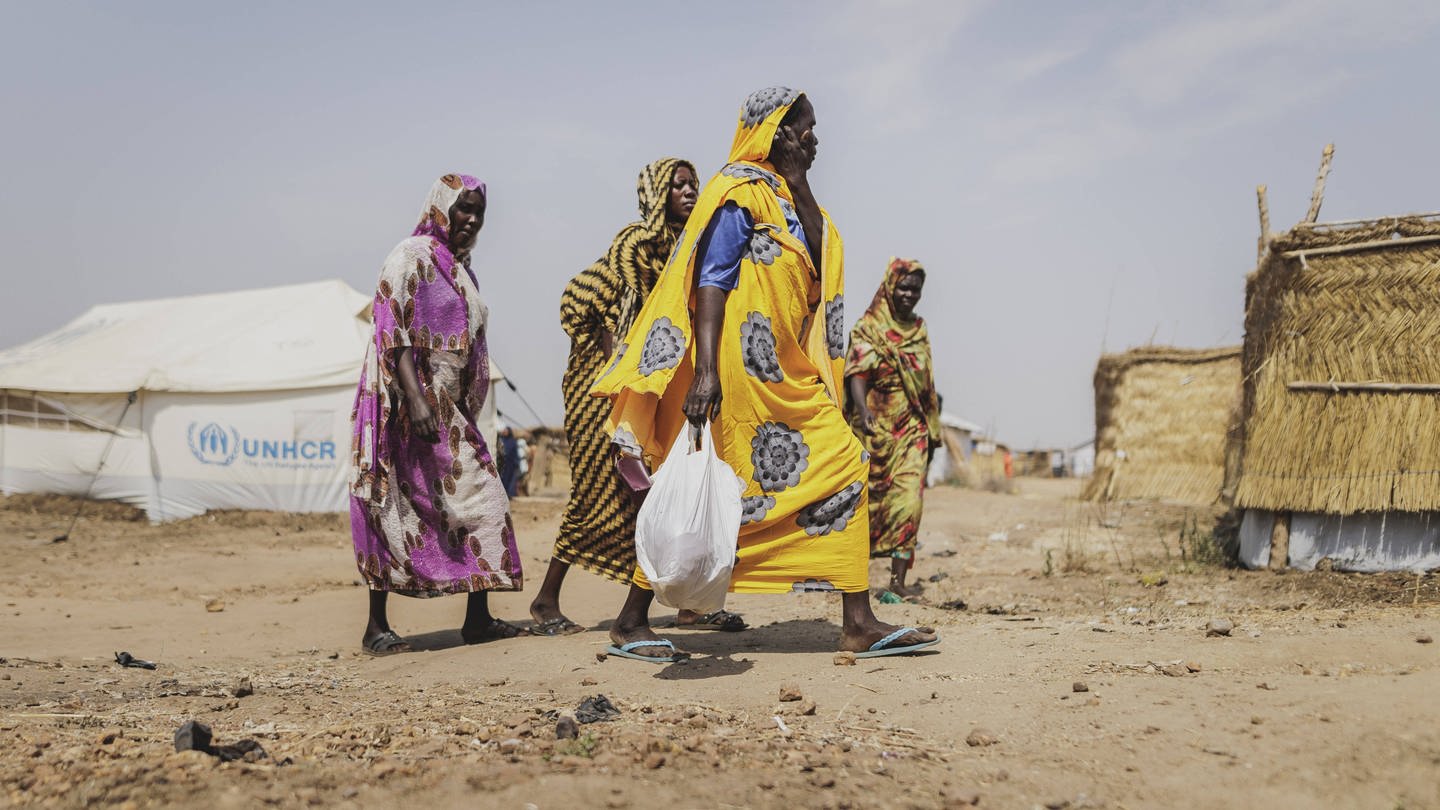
119, 424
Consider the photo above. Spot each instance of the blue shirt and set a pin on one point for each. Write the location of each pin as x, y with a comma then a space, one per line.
725, 240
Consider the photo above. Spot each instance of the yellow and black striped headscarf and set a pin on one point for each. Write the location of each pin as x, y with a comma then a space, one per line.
641, 249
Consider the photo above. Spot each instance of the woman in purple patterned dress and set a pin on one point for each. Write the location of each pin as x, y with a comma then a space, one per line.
428, 513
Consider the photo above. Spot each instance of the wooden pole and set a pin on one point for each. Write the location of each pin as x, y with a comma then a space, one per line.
1261, 196
1374, 387
1358, 246
1318, 195
1280, 541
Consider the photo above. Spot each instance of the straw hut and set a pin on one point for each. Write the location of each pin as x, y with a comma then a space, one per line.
987, 468
951, 463
1338, 449
1162, 419
549, 473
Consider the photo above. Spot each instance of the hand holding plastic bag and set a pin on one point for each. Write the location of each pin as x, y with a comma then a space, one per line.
686, 532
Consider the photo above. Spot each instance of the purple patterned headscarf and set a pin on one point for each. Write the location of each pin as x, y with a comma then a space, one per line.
434, 217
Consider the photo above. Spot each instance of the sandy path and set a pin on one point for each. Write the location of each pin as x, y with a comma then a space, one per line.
1321, 697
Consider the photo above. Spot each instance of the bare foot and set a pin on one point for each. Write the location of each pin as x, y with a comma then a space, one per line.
622, 636
908, 591
496, 630
859, 638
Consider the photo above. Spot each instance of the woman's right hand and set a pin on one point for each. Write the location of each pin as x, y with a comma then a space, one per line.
787, 155
702, 404
422, 420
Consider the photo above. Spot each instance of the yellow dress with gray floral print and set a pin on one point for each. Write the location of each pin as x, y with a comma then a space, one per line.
804, 525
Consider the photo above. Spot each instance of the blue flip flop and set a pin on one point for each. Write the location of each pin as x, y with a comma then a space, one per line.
882, 647
627, 651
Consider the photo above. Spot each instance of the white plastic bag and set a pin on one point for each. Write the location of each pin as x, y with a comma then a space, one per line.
686, 531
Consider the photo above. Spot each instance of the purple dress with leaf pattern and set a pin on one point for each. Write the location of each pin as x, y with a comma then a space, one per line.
429, 518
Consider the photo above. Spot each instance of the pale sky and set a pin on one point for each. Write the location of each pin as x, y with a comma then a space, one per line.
1073, 175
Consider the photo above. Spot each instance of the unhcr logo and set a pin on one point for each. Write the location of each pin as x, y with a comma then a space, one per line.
213, 444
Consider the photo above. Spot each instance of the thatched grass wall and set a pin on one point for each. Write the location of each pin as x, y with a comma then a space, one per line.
1352, 310
1162, 420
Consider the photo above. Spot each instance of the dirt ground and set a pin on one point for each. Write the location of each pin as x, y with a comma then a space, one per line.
1075, 671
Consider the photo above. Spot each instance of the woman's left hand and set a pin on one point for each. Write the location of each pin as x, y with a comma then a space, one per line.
868, 422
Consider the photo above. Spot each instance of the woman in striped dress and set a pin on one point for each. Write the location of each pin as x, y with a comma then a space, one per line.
598, 530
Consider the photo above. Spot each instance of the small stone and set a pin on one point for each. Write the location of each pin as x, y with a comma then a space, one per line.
588, 681
243, 688
600, 657
1424, 638
981, 737
655, 761
509, 746
844, 658
566, 729
960, 798
807, 708
1057, 804
214, 605
1176, 671
790, 692
1256, 720
1219, 627
110, 736
1079, 686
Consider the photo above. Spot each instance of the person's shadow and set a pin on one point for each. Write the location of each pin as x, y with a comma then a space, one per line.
435, 640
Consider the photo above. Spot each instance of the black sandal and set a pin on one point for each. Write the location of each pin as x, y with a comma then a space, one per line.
497, 630
558, 626
387, 643
722, 620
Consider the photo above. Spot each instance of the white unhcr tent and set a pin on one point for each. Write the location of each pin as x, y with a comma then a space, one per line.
228, 401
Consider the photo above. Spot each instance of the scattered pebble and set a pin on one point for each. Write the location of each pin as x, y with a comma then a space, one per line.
844, 658
1079, 686
790, 692
960, 798
1193, 666
1424, 638
807, 708
242, 688
566, 729
981, 737
1219, 627
214, 605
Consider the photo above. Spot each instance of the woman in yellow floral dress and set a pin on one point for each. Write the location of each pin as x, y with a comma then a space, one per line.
751, 304
893, 404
